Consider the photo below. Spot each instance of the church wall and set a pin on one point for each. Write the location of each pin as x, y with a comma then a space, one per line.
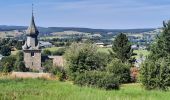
33, 62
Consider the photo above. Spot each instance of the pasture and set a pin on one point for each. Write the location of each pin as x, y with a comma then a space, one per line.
41, 89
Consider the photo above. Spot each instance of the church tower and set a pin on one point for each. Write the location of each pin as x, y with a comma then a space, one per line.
31, 48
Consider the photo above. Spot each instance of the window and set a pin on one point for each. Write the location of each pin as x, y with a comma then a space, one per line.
32, 54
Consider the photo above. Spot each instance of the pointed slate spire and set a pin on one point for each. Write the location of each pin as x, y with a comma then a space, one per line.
32, 29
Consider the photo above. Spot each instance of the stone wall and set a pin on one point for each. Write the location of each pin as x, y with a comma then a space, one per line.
32, 62
31, 75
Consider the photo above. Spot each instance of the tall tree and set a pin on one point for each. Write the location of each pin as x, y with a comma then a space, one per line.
121, 48
161, 47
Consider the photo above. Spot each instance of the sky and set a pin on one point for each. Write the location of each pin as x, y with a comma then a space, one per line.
98, 14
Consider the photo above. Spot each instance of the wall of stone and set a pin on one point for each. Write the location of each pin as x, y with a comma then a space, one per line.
32, 62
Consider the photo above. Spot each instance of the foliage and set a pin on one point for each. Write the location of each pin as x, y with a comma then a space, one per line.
48, 66
19, 63
7, 64
121, 48
46, 52
161, 47
120, 69
155, 74
155, 71
5, 50
98, 79
83, 57
19, 45
58, 71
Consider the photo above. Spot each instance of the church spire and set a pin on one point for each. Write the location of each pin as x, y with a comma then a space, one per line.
32, 29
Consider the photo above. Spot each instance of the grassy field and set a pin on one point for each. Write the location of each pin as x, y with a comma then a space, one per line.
39, 89
53, 48
138, 52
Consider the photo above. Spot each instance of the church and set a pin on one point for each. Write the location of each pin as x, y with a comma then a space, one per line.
31, 48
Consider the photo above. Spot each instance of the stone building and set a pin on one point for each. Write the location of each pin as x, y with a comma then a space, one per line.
31, 48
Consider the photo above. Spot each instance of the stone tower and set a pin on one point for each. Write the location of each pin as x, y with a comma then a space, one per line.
31, 48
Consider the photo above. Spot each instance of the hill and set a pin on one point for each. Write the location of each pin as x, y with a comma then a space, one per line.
19, 89
48, 30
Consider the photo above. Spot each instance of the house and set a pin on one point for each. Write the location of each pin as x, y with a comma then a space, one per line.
100, 44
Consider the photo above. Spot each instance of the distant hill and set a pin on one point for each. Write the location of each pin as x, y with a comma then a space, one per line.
49, 30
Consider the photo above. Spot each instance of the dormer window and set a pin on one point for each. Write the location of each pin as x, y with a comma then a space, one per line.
32, 54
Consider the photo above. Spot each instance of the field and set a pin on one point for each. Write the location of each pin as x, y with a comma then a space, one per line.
39, 89
53, 48
138, 52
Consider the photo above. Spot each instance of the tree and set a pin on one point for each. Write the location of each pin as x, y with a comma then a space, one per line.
7, 63
83, 57
155, 74
5, 50
18, 45
46, 52
155, 71
120, 69
19, 63
121, 48
161, 47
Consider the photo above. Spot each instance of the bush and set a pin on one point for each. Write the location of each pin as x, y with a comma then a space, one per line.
155, 74
58, 71
20, 66
120, 69
46, 52
82, 57
5, 50
98, 79
48, 66
7, 64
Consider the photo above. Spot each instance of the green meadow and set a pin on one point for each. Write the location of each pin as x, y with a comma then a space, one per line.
41, 89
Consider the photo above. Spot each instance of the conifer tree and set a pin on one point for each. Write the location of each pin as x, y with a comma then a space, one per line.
121, 48
161, 47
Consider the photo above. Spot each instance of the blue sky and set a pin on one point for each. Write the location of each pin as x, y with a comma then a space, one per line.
105, 14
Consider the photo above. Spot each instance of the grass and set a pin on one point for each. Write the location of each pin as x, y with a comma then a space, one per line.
138, 52
39, 89
141, 52
53, 48
106, 50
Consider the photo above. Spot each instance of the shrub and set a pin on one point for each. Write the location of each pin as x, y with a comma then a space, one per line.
58, 71
46, 52
5, 50
155, 74
7, 64
83, 57
120, 69
98, 79
48, 66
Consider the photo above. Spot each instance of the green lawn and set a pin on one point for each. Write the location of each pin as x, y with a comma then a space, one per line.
138, 52
39, 89
53, 48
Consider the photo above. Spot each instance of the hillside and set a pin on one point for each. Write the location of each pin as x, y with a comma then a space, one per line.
19, 89
49, 30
